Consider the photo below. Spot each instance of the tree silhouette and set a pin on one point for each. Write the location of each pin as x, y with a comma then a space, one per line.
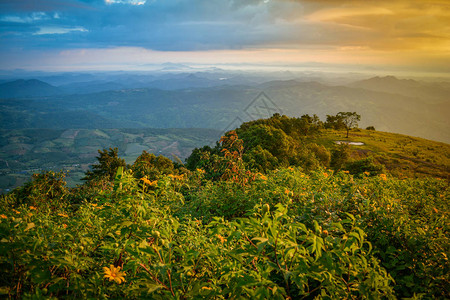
350, 120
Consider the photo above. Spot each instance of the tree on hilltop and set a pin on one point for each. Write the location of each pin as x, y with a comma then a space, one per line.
350, 120
343, 120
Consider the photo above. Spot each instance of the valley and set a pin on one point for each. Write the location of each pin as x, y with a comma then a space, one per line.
24, 152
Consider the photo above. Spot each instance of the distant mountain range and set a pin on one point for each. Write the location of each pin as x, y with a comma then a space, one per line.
27, 88
210, 100
407, 87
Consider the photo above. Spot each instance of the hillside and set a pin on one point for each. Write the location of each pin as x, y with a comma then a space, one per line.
23, 152
27, 88
403, 156
157, 230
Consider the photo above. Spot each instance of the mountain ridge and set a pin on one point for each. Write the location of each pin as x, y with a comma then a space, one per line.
24, 88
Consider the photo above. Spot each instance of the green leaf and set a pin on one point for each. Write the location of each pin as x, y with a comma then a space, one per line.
126, 223
29, 226
260, 239
151, 287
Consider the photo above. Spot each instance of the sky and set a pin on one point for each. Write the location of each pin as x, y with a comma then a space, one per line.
67, 35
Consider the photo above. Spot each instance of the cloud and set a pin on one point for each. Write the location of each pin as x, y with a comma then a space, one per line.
58, 30
391, 25
369, 28
131, 2
30, 18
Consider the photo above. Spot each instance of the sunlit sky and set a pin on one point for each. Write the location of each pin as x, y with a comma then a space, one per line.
54, 35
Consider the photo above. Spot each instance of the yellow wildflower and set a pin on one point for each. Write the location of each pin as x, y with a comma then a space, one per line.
176, 177
63, 215
148, 182
3, 217
206, 288
367, 173
221, 238
113, 273
33, 207
201, 171
383, 176
96, 206
263, 177
325, 174
30, 214
64, 226
346, 172
16, 211
290, 168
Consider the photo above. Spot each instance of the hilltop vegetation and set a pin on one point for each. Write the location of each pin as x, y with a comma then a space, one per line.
309, 143
274, 210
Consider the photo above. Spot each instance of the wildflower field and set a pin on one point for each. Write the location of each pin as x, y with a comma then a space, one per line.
248, 219
286, 235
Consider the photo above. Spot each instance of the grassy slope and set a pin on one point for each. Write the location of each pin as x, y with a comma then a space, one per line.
404, 156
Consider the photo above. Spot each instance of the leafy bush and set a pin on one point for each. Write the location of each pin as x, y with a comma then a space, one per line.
365, 166
340, 156
151, 166
46, 190
284, 234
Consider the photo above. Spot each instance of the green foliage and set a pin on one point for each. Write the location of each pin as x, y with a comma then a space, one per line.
343, 120
294, 127
366, 166
196, 159
108, 163
261, 159
280, 141
340, 156
273, 140
151, 166
321, 153
283, 235
46, 190
222, 231
334, 122
224, 162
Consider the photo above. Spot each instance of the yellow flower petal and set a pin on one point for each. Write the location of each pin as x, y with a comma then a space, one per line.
113, 273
